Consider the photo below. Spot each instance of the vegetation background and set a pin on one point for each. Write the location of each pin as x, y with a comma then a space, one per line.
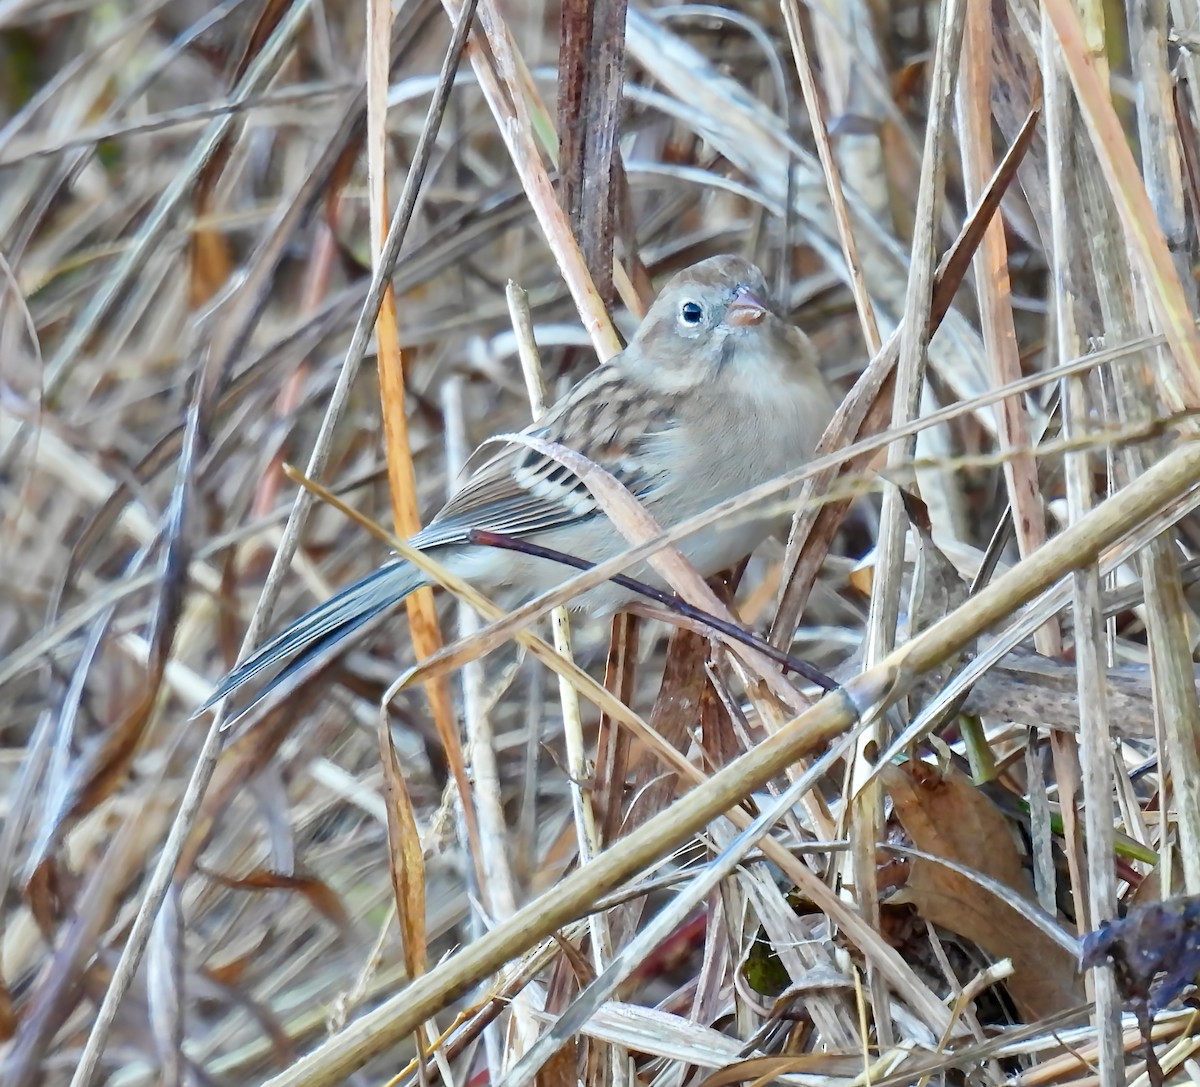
985, 216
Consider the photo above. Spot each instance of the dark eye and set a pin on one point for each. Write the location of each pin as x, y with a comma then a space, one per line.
690, 313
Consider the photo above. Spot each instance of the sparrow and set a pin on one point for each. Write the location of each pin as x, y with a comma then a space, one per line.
715, 394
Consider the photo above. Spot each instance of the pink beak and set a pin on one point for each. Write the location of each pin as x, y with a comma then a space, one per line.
745, 309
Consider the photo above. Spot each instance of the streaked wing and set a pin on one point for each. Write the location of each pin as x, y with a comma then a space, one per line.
519, 492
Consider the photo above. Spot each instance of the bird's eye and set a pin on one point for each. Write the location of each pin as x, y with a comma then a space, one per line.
690, 313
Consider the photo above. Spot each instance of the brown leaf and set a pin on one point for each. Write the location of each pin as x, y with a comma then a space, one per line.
422, 614
106, 766
211, 263
43, 893
946, 815
405, 858
320, 895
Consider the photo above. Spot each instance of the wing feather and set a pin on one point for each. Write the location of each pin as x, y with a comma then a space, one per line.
519, 492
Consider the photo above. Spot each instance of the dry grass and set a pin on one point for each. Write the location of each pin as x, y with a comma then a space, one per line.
193, 252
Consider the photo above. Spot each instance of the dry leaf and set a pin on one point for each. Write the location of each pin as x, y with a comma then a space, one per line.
946, 815
319, 894
405, 858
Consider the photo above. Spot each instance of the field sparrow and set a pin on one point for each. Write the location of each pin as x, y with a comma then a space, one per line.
715, 395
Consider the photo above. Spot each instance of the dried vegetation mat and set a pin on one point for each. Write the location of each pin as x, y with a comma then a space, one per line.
669, 862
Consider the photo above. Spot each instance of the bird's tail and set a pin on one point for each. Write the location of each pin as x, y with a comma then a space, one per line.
320, 635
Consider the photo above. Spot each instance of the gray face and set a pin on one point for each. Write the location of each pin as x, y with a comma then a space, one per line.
696, 302
711, 320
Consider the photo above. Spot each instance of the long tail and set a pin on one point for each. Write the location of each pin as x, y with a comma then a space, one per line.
321, 634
